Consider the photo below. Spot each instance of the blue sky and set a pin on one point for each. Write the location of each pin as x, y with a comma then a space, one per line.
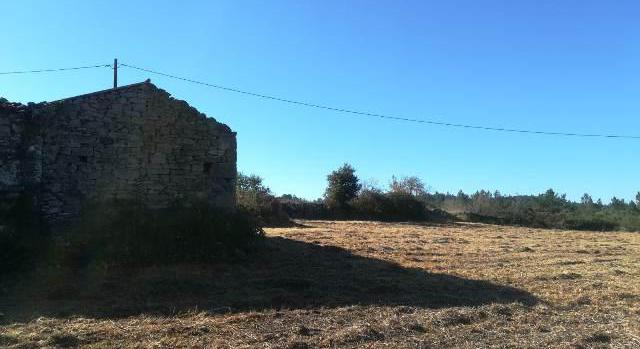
546, 65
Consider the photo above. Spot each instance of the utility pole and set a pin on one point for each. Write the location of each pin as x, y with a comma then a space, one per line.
115, 73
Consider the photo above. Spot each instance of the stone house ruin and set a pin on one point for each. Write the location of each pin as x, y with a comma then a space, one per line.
132, 142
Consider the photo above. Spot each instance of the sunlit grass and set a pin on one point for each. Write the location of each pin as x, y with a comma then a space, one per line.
356, 284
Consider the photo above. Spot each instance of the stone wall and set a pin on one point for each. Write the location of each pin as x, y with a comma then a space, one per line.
134, 142
13, 118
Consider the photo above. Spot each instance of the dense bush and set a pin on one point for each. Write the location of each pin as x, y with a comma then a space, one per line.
124, 233
21, 235
590, 223
128, 233
372, 203
300, 208
343, 186
406, 207
346, 198
408, 200
258, 200
547, 210
390, 206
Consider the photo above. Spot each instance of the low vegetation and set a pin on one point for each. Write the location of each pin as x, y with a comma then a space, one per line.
256, 198
22, 238
547, 210
124, 275
123, 234
407, 199
351, 284
130, 234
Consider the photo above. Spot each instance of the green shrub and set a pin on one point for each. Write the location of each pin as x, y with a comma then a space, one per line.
300, 208
547, 210
372, 204
343, 186
257, 199
406, 207
128, 233
21, 237
591, 223
392, 206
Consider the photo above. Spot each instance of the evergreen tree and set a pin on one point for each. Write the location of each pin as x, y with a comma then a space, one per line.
617, 203
343, 187
586, 200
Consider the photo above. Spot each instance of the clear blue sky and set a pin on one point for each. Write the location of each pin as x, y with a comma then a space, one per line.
548, 65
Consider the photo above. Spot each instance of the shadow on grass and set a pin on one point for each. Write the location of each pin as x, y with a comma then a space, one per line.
284, 273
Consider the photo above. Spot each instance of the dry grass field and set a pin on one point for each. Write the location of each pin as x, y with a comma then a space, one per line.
352, 285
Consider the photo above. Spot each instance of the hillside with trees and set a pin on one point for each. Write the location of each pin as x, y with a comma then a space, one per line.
407, 199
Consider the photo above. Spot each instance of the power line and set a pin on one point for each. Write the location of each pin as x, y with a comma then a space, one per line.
55, 69
383, 116
336, 109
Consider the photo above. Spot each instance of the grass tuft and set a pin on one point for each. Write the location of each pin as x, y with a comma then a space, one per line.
64, 340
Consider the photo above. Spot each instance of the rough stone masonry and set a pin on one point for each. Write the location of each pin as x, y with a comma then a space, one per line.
133, 142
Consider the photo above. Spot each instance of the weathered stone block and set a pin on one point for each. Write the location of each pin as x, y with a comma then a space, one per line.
132, 142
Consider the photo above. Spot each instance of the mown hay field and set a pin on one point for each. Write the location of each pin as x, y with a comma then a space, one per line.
327, 284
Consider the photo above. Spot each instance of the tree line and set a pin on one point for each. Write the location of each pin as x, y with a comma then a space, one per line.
407, 199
